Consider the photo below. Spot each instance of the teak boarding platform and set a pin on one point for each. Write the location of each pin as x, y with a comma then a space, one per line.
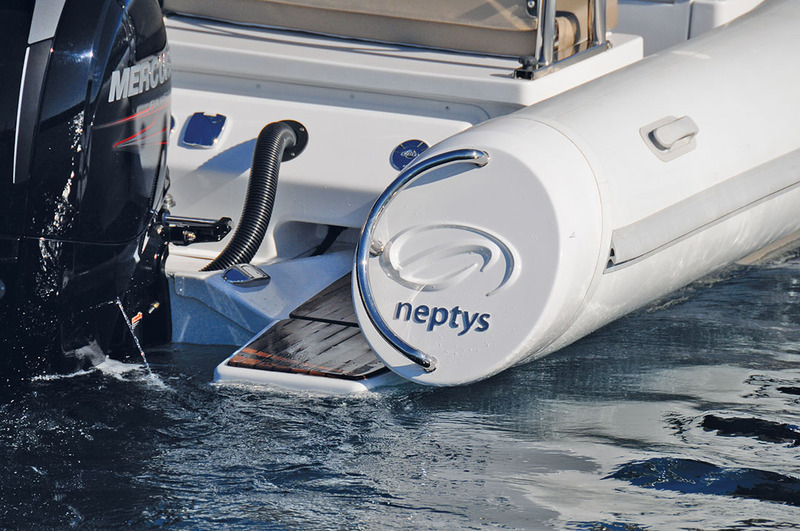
321, 338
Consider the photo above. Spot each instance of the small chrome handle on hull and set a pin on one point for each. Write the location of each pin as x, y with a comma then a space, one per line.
367, 247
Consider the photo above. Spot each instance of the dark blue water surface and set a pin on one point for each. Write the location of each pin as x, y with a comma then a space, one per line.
683, 416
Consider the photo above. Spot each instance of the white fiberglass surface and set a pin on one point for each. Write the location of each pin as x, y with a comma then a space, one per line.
334, 181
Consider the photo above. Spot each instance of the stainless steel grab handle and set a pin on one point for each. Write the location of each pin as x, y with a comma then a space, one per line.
366, 246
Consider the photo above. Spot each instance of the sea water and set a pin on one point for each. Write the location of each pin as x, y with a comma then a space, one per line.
685, 415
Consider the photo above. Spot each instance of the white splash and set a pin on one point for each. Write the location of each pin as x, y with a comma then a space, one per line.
133, 333
118, 370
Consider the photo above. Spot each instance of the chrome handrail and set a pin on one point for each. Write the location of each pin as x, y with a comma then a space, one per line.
598, 23
544, 49
366, 246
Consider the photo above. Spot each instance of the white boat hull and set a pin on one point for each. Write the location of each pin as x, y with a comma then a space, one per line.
592, 204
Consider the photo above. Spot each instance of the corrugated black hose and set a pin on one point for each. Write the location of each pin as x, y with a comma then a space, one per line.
274, 144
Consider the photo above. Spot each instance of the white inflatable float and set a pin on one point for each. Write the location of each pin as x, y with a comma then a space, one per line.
522, 234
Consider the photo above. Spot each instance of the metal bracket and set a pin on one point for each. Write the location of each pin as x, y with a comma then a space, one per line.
544, 60
186, 231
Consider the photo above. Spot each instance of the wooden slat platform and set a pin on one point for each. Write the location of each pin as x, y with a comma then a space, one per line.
333, 304
321, 338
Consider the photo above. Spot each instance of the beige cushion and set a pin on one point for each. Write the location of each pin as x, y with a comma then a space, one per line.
485, 26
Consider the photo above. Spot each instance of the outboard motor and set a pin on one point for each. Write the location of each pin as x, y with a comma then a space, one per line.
85, 122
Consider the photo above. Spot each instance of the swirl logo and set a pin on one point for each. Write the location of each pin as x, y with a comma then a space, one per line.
439, 257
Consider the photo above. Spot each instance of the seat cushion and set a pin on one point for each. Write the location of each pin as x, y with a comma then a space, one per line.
500, 27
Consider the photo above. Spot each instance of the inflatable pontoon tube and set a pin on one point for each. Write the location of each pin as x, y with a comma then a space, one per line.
591, 205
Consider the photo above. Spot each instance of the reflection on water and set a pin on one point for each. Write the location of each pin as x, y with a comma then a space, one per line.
681, 416
698, 477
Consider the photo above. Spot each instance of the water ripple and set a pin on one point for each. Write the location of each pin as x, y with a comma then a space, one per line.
691, 476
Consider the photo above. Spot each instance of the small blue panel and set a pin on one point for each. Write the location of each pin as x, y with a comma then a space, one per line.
203, 130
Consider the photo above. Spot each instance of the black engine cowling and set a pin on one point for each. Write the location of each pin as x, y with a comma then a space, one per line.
85, 108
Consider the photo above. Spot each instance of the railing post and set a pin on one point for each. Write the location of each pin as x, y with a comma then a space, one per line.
597, 11
546, 32
544, 60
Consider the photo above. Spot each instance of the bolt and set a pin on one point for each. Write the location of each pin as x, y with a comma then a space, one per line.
375, 248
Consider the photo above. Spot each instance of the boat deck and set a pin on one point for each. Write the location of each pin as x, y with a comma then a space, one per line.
321, 338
